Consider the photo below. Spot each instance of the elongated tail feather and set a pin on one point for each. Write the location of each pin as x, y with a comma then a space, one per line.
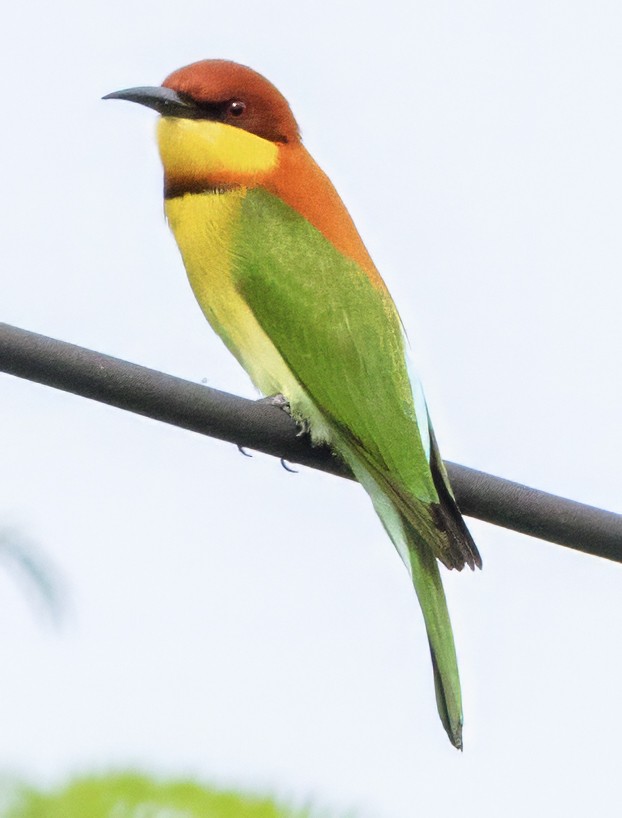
423, 567
429, 587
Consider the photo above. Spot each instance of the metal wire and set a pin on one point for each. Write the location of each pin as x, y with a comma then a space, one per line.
260, 426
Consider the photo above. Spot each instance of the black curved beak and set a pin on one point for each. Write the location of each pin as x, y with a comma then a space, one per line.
163, 100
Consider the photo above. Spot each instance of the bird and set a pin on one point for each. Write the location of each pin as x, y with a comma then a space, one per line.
284, 278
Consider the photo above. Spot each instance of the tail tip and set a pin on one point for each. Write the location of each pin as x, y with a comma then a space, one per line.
455, 736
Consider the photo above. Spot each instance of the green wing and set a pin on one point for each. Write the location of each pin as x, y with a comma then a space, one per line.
336, 331
341, 337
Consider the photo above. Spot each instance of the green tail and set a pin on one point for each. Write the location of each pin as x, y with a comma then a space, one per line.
429, 588
423, 566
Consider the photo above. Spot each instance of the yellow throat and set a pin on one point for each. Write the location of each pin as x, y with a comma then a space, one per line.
199, 149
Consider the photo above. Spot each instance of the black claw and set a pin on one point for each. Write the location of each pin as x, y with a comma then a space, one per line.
243, 451
288, 468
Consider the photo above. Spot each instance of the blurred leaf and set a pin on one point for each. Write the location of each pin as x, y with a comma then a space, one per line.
130, 795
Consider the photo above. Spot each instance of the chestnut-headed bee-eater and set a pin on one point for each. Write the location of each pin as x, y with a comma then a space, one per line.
283, 277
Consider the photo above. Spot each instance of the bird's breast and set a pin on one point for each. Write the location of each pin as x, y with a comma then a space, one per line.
204, 226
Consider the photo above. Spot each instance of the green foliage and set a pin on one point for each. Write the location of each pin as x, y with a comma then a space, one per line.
130, 795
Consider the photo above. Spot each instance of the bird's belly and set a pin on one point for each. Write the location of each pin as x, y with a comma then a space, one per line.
204, 226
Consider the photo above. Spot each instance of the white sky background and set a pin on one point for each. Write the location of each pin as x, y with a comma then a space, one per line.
248, 626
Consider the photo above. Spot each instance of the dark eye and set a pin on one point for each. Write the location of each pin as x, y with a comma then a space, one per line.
236, 107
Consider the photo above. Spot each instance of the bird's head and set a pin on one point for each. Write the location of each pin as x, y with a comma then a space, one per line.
221, 124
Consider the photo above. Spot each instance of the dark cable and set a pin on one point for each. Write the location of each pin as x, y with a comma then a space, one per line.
266, 428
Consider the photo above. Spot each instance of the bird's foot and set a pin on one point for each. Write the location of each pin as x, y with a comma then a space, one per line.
303, 427
281, 402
